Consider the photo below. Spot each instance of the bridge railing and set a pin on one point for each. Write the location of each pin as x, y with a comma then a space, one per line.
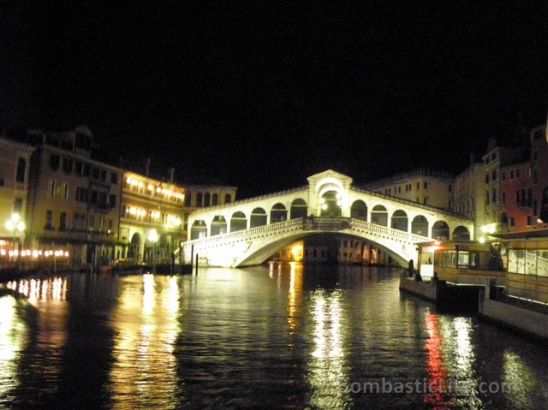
314, 224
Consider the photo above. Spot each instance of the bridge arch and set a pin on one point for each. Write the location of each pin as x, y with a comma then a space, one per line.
278, 213
330, 203
440, 230
238, 222
358, 210
379, 215
258, 217
299, 209
419, 225
218, 225
399, 221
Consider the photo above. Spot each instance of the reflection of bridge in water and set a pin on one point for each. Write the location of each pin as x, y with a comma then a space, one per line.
244, 233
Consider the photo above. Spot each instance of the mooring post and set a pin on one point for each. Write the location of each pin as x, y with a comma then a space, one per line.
191, 258
197, 256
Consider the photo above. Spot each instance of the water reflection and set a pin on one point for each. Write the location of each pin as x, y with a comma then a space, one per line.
294, 296
328, 369
13, 337
144, 372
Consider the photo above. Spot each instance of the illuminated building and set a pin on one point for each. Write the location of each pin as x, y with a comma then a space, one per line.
14, 185
424, 186
149, 204
74, 200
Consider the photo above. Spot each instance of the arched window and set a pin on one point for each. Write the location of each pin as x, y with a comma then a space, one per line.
440, 230
214, 199
228, 199
419, 226
238, 222
199, 199
399, 221
278, 213
258, 217
461, 233
207, 199
358, 210
298, 209
21, 168
379, 215
504, 221
218, 225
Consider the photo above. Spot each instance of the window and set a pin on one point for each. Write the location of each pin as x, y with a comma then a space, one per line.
112, 201
93, 197
512, 222
66, 191
51, 188
494, 175
49, 219
529, 171
78, 167
425, 185
512, 174
81, 194
91, 222
487, 178
199, 199
1, 181
486, 197
21, 167
207, 199
503, 198
494, 197
18, 205
188, 199
103, 175
228, 199
450, 187
79, 221
63, 221
418, 187
54, 161
114, 178
67, 165
214, 199
504, 176
103, 199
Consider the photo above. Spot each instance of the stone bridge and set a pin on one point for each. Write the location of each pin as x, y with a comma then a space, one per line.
247, 232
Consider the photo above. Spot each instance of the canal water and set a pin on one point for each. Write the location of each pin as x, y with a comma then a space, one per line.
318, 338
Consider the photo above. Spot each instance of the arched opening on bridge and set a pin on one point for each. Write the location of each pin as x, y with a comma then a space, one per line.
399, 221
215, 199
330, 203
238, 222
358, 210
440, 230
218, 225
207, 199
298, 209
461, 233
504, 221
278, 213
419, 226
379, 215
228, 199
198, 229
258, 217
134, 246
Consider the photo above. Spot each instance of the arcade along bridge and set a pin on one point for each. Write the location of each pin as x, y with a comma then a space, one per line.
249, 231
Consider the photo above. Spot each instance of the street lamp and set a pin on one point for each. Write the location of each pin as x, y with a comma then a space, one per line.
153, 238
16, 226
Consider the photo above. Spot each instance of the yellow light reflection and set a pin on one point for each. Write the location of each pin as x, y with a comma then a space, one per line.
294, 296
148, 326
328, 370
13, 336
519, 381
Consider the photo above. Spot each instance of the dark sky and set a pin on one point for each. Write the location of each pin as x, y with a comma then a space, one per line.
263, 94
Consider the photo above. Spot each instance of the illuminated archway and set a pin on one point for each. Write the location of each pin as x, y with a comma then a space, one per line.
238, 222
358, 210
298, 209
278, 213
330, 203
258, 218
379, 215
399, 221
440, 230
218, 225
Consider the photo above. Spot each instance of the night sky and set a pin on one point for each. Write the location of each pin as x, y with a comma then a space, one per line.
263, 94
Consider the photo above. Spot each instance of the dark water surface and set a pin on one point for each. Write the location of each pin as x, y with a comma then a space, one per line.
324, 338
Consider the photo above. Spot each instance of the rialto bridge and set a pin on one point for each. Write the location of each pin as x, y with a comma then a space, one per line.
249, 231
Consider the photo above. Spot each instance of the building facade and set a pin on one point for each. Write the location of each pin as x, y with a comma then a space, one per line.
15, 158
423, 186
74, 200
151, 219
